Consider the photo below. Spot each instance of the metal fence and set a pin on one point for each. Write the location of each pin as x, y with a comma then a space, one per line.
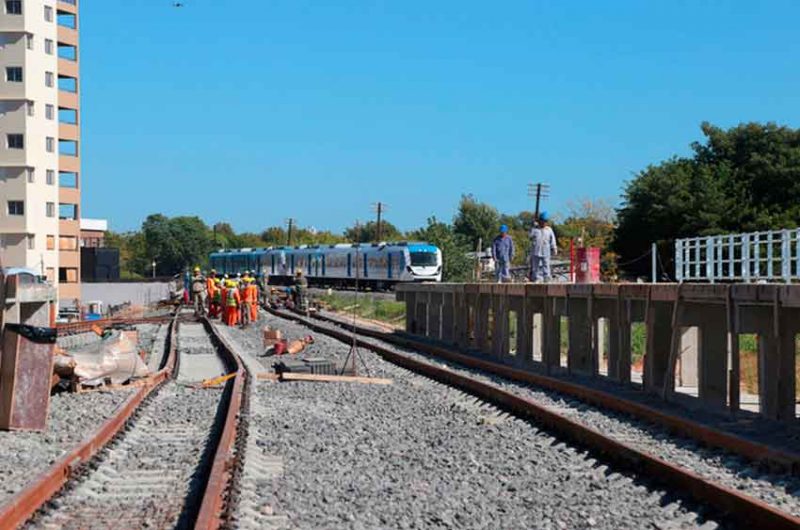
772, 256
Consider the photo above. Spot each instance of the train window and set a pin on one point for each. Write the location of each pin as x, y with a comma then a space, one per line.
389, 271
272, 263
423, 259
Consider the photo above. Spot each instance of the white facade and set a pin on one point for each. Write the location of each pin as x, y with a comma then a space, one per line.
29, 175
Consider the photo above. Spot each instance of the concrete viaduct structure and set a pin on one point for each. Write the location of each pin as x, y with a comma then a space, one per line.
692, 331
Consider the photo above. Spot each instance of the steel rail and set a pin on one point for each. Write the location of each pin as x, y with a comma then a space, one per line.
19, 508
747, 511
83, 326
710, 436
215, 499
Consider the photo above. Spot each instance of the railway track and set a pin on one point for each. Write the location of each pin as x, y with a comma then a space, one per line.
731, 494
163, 461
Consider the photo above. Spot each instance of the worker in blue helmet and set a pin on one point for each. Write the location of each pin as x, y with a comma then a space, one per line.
543, 247
503, 253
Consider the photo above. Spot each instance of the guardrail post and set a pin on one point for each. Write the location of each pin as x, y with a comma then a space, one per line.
710, 259
679, 260
746, 258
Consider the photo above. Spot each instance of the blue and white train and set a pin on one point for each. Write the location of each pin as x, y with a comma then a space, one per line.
377, 265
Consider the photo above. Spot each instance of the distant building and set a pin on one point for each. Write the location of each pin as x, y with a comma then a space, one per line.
98, 263
93, 233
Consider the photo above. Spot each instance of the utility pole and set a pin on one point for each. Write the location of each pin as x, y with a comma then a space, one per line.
290, 223
538, 191
379, 208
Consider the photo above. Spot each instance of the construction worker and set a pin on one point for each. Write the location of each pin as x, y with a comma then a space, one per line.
543, 246
199, 293
232, 301
300, 291
502, 254
254, 296
215, 304
210, 288
247, 304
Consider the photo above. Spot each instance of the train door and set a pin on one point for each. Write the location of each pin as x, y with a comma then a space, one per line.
349, 265
291, 263
365, 266
322, 258
389, 266
272, 263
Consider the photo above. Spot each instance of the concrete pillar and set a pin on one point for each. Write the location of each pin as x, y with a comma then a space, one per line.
421, 314
499, 344
579, 357
787, 384
461, 329
483, 308
434, 325
537, 339
411, 312
524, 307
448, 317
659, 335
621, 366
713, 376
551, 319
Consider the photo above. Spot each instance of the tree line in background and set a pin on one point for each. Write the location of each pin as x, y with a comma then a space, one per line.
740, 179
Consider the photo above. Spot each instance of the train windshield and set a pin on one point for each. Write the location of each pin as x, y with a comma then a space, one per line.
423, 259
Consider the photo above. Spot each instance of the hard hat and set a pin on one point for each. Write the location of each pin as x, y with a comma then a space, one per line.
197, 269
299, 272
213, 271
544, 217
216, 281
503, 229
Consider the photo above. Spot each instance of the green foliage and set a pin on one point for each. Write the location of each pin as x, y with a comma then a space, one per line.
176, 243
368, 233
741, 179
368, 306
456, 266
476, 221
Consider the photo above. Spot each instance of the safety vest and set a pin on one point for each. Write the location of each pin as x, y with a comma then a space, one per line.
217, 296
231, 301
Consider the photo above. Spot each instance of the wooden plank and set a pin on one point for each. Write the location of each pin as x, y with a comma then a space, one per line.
289, 376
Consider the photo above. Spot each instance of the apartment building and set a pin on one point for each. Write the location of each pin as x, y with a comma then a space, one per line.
40, 141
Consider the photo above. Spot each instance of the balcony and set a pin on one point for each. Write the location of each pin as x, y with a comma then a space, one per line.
67, 36
68, 131
67, 68
69, 163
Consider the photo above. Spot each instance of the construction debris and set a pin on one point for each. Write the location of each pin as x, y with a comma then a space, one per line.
111, 361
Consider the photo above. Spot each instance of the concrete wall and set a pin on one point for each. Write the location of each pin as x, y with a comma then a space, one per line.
690, 334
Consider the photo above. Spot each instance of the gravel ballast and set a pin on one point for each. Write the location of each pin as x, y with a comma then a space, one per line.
150, 476
71, 418
418, 454
780, 490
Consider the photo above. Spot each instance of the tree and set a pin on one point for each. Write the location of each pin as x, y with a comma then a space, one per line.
476, 221
456, 266
741, 179
368, 233
176, 243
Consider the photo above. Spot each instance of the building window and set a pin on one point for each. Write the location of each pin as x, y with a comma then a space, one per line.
14, 74
29, 104
16, 208
48, 13
50, 209
31, 175
67, 52
68, 211
50, 144
14, 7
50, 111
51, 242
51, 274
68, 147
16, 141
67, 243
68, 84
67, 179
48, 79
69, 116
51, 177
29, 41
48, 46
67, 275
31, 241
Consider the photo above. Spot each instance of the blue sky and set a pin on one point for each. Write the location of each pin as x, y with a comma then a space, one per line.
253, 111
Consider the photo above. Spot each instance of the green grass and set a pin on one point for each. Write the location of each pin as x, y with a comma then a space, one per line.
368, 306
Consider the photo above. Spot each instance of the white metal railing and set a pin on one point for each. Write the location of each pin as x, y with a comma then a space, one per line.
772, 256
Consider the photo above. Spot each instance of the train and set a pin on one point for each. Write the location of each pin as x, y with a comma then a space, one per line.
376, 265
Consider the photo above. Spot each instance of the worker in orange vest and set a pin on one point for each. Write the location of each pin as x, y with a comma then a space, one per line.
232, 301
253, 292
223, 296
215, 309
210, 289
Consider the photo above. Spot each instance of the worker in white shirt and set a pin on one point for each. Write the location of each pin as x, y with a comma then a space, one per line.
543, 247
